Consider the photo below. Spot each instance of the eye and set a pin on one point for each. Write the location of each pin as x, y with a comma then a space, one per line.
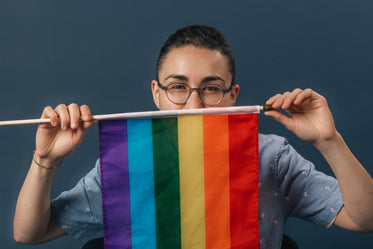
177, 86
211, 88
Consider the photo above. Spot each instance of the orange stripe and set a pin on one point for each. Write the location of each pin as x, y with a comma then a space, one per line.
216, 164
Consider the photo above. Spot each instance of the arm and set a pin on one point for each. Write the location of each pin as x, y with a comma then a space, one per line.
32, 222
311, 120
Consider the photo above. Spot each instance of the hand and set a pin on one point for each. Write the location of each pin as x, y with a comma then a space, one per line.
58, 139
309, 115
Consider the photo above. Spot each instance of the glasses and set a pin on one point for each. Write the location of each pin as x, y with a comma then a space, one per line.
210, 94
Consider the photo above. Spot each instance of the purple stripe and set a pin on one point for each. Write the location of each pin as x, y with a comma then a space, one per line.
115, 184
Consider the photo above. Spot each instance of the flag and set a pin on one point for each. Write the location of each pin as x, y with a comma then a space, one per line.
180, 182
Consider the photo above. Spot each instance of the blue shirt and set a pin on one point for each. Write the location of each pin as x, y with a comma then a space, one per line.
289, 185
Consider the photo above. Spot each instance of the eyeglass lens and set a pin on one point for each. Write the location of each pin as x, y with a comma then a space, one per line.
209, 94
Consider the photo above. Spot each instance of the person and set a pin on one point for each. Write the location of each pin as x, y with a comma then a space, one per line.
196, 69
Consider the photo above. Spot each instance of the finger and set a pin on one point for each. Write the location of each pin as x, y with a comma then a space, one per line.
64, 116
270, 100
273, 100
48, 112
307, 93
74, 113
87, 117
280, 98
289, 99
85, 113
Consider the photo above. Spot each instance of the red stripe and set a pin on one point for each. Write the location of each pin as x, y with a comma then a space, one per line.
243, 163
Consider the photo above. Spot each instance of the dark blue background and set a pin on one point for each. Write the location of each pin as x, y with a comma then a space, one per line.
103, 53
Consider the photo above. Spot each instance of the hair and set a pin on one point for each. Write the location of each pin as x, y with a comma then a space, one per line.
200, 36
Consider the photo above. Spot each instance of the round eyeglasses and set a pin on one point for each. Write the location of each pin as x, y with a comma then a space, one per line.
210, 94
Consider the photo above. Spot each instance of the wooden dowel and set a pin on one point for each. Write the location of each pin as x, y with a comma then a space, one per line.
155, 114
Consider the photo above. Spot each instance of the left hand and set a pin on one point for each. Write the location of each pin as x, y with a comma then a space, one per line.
309, 115
311, 120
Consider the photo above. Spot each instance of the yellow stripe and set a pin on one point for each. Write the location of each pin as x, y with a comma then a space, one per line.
192, 201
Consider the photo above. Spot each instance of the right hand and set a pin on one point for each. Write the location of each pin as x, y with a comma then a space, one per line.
58, 139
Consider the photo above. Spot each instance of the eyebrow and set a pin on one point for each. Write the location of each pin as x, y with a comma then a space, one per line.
185, 78
177, 76
212, 78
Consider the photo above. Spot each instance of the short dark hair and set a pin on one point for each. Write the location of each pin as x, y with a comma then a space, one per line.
200, 36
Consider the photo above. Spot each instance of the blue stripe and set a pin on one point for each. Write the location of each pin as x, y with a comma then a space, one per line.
140, 157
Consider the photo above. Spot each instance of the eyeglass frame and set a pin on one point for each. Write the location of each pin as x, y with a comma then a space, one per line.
191, 89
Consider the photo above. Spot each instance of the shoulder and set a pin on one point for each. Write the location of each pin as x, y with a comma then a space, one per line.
95, 174
278, 157
271, 147
78, 211
271, 140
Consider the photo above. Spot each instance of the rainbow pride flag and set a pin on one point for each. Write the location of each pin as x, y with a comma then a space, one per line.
180, 182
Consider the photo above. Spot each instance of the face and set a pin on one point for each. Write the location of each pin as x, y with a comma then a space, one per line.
195, 67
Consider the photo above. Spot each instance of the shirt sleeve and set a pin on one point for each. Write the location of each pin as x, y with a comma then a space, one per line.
309, 194
79, 211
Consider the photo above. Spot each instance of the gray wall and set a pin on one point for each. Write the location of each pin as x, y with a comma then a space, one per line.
103, 53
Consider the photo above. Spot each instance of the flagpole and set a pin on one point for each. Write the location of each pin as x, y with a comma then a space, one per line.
158, 114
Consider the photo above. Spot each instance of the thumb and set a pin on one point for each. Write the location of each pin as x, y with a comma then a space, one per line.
281, 118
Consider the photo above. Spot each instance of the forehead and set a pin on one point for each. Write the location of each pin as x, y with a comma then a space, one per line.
195, 62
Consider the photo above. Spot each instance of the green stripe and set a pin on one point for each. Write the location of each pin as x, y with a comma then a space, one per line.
166, 181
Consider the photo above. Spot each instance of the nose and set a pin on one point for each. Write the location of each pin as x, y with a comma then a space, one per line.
194, 101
